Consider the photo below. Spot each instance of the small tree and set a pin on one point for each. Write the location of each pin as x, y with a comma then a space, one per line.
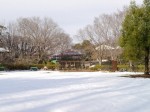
135, 38
86, 47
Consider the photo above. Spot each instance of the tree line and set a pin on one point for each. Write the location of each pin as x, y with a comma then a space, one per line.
124, 34
32, 40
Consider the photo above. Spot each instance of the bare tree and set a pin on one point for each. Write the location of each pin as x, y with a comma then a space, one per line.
97, 34
43, 35
65, 43
115, 26
33, 39
105, 31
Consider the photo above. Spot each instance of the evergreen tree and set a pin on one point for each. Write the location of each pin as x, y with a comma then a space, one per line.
135, 38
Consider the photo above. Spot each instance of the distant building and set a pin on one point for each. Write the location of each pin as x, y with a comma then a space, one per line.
109, 51
69, 60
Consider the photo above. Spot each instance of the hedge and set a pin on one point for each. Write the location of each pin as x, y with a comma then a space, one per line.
22, 66
101, 67
137, 68
52, 66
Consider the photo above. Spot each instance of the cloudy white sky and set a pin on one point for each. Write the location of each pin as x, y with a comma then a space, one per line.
70, 15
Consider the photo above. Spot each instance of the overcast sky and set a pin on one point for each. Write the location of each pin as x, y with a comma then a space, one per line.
70, 15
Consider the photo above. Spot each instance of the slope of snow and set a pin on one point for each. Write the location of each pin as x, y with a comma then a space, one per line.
52, 91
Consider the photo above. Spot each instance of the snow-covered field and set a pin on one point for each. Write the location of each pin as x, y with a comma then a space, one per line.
52, 91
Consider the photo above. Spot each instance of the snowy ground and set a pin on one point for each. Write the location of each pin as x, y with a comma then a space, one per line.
51, 91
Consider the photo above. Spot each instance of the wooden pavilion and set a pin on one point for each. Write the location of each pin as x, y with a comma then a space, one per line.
69, 60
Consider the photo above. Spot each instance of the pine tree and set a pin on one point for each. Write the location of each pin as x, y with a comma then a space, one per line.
135, 38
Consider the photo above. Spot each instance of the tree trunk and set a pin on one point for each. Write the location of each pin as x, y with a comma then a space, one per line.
146, 61
100, 60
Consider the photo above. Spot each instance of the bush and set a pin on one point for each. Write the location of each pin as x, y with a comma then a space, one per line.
96, 68
22, 66
140, 68
123, 67
106, 67
137, 68
2, 68
109, 67
52, 66
101, 67
17, 66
